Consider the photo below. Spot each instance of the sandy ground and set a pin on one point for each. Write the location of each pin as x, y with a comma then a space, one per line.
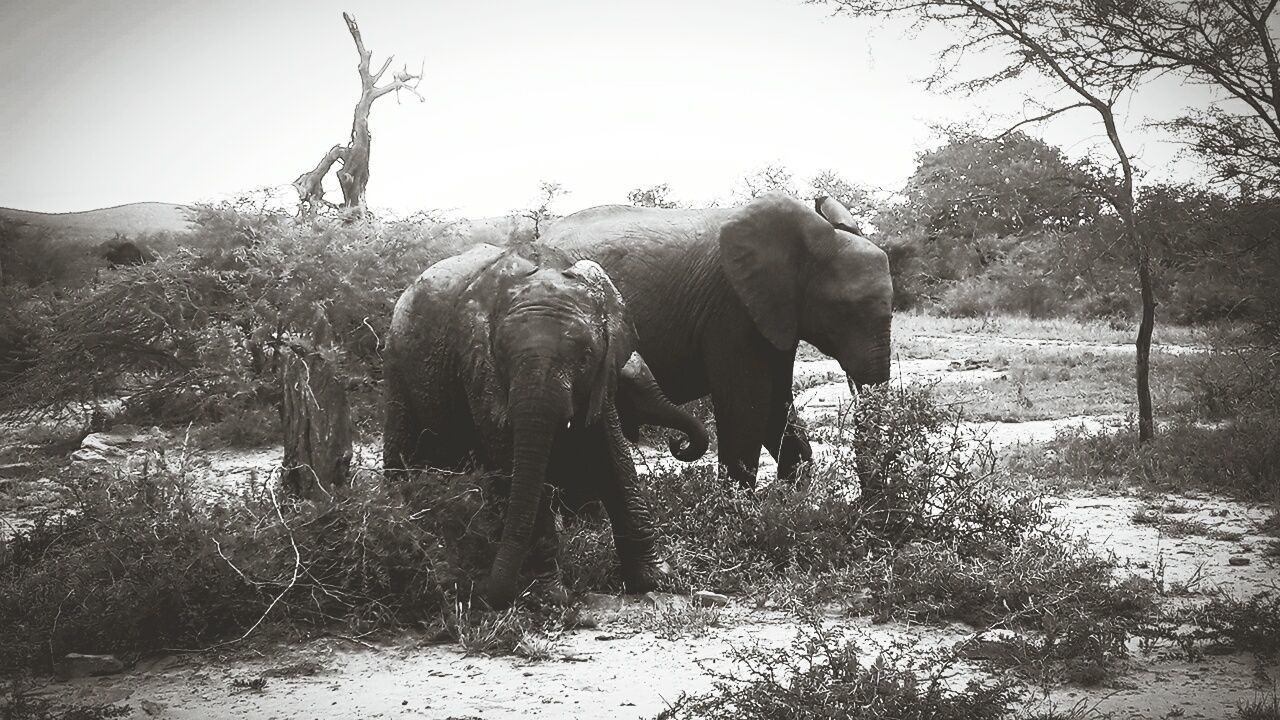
618, 670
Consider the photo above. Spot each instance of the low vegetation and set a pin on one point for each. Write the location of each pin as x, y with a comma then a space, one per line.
826, 674
1223, 441
20, 703
1250, 624
926, 528
155, 558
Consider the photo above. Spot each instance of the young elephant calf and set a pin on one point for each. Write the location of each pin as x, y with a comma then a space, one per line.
497, 356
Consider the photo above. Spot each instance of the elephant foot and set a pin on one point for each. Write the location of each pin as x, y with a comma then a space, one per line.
647, 577
796, 474
736, 476
549, 591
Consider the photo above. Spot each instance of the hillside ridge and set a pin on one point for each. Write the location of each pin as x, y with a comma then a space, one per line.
103, 223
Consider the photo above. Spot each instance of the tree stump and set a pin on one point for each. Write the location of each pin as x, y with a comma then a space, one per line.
315, 417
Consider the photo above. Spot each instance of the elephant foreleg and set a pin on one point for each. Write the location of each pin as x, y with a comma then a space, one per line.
541, 562
634, 535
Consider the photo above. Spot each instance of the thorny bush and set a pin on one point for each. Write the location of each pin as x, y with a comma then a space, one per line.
154, 557
825, 674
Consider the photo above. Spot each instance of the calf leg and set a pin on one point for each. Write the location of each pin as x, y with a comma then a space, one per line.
634, 534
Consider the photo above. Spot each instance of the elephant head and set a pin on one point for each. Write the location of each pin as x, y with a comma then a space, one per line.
808, 276
562, 349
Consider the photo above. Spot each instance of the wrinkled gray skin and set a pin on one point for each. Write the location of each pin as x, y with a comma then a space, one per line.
506, 359
721, 298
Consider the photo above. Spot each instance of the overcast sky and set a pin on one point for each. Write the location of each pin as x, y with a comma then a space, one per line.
104, 103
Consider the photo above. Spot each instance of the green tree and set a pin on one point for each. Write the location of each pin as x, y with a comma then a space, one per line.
974, 186
854, 197
1045, 38
770, 178
657, 196
541, 213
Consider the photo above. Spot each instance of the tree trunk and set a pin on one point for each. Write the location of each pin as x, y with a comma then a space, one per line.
1146, 423
1125, 205
315, 418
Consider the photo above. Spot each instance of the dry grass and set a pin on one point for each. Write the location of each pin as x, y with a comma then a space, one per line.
909, 324
1045, 383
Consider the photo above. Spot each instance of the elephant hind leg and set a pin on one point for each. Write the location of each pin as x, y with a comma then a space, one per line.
787, 435
740, 433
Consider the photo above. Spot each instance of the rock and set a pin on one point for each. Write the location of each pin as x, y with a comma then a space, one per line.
990, 645
76, 665
1237, 560
584, 621
665, 600
151, 708
706, 598
104, 448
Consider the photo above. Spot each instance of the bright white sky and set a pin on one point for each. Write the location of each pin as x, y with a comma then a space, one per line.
104, 103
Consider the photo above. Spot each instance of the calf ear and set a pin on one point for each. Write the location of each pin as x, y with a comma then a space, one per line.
619, 334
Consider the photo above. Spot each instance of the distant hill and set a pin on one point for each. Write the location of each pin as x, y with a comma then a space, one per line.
103, 224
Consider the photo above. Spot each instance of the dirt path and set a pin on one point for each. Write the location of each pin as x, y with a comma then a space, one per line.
960, 340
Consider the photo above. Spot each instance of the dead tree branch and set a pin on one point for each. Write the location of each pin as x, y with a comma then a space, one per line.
352, 159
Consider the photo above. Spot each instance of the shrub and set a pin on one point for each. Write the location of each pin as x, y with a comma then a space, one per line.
730, 541
825, 674
245, 427
1251, 624
1240, 458
194, 335
990, 294
133, 566
147, 560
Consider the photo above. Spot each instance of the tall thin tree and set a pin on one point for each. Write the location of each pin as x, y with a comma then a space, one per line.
1044, 37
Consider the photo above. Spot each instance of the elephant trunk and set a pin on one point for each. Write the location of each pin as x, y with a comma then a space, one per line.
654, 408
869, 363
540, 405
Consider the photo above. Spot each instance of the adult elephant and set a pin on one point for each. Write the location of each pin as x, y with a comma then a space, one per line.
497, 356
721, 298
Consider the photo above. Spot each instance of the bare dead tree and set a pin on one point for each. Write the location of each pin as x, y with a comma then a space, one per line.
353, 158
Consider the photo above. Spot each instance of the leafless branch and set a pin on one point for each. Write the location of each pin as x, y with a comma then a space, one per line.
1039, 118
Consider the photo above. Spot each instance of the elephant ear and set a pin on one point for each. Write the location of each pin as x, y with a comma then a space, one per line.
619, 333
837, 214
764, 249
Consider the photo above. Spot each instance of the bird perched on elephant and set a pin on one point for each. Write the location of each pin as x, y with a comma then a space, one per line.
510, 359
721, 298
